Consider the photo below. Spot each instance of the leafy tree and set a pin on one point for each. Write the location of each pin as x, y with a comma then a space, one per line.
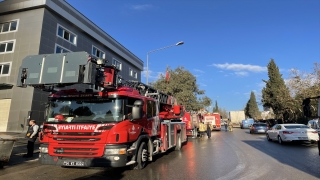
216, 108
252, 108
303, 85
183, 86
223, 112
276, 94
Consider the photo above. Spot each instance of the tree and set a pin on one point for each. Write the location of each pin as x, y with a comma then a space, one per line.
216, 108
183, 86
303, 85
276, 94
252, 109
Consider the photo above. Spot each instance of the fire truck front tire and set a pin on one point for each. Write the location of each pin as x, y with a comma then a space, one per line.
178, 146
142, 157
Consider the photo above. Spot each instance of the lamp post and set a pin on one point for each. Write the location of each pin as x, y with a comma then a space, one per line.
177, 44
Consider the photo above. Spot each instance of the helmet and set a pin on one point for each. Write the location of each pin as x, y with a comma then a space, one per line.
59, 117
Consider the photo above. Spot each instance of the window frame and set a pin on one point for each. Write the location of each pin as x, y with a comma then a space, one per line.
5, 63
57, 45
114, 60
70, 32
13, 46
151, 109
98, 49
135, 74
17, 26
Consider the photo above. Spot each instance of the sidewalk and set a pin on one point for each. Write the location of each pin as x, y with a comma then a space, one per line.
20, 148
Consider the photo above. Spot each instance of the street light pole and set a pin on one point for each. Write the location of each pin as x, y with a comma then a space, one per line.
177, 44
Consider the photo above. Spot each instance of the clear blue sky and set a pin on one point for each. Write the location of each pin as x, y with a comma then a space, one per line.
228, 43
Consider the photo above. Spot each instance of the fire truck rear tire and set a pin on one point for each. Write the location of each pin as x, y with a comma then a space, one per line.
142, 157
178, 146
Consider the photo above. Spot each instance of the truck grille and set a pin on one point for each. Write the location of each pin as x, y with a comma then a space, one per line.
77, 139
77, 144
78, 133
77, 150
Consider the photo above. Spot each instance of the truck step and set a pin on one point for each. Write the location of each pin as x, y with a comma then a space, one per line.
131, 162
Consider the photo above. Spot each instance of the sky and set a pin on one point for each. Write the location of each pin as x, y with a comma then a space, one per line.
227, 43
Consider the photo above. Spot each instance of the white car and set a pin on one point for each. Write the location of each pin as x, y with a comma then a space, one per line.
292, 132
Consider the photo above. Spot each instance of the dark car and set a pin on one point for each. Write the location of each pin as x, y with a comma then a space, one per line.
258, 128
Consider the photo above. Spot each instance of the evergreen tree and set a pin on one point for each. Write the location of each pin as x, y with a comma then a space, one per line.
276, 94
183, 86
253, 109
246, 110
216, 108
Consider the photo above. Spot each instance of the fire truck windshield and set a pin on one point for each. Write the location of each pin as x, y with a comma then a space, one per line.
78, 111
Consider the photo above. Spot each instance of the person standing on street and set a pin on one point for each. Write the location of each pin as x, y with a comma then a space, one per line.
32, 135
208, 131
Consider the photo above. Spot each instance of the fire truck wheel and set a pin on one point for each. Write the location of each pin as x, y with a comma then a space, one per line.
142, 156
178, 146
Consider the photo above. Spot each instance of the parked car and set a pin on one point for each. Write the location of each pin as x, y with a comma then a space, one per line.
258, 128
292, 132
245, 124
314, 124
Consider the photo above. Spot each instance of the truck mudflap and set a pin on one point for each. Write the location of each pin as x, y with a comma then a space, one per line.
111, 160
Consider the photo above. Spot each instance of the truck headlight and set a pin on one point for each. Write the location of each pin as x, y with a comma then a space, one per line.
115, 151
43, 149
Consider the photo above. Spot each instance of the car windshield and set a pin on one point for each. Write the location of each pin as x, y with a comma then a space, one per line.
84, 111
296, 127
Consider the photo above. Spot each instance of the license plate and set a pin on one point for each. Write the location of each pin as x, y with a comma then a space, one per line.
261, 130
68, 163
303, 138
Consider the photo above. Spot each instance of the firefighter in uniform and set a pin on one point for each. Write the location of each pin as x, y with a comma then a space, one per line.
230, 125
32, 135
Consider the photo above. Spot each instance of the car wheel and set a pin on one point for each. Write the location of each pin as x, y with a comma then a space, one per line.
280, 140
268, 138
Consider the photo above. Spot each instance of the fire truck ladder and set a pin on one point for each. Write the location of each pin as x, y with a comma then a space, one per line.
65, 69
148, 91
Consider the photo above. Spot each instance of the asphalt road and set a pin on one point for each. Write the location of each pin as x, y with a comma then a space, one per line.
227, 155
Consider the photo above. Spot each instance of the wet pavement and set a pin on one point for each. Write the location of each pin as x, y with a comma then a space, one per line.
227, 155
19, 149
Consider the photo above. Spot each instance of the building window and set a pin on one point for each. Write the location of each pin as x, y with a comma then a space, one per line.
60, 49
7, 46
66, 35
135, 74
9, 26
117, 64
98, 53
5, 69
130, 72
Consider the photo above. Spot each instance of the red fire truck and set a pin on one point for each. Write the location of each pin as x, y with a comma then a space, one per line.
126, 123
192, 123
214, 119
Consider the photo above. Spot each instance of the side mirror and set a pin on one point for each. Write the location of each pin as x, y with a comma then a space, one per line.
137, 110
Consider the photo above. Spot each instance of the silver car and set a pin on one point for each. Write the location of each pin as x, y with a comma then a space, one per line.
292, 132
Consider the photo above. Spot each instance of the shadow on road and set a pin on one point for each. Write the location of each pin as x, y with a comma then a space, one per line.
297, 155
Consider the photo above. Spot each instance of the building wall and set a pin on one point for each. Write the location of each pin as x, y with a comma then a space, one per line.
37, 34
27, 40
